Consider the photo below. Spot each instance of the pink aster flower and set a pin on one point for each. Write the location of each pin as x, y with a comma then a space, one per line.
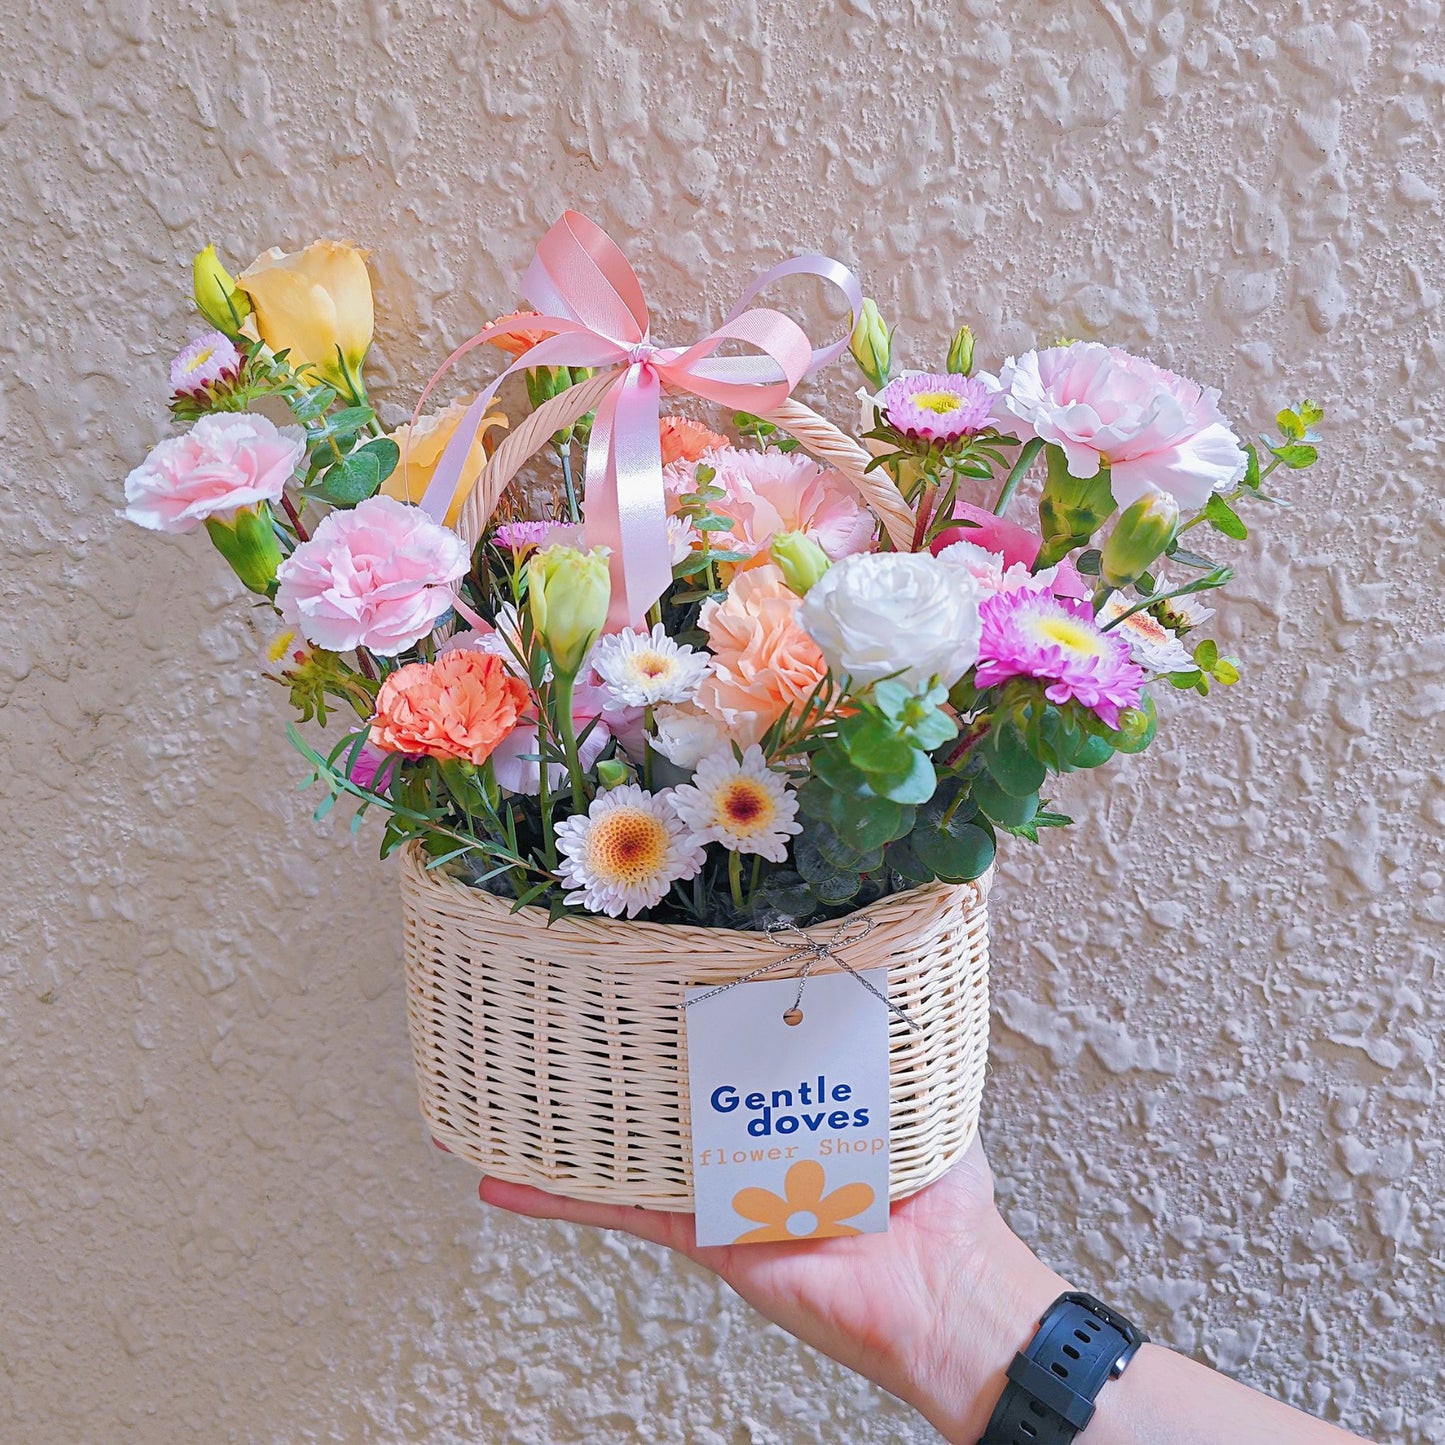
1100, 404
937, 408
1053, 639
377, 576
769, 492
226, 461
521, 536
209, 360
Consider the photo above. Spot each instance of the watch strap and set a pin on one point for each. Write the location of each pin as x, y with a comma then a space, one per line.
1053, 1381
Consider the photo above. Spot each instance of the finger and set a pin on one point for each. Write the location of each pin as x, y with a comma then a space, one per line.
673, 1230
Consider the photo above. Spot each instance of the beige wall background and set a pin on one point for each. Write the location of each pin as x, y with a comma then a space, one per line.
1215, 1091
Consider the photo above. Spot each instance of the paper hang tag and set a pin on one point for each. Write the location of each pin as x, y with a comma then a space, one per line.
789, 1119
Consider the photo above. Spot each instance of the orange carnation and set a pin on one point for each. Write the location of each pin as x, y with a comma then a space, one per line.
460, 706
685, 440
763, 661
515, 343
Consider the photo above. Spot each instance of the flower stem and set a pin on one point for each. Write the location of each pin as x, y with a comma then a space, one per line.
290, 509
569, 484
648, 733
1024, 461
567, 727
735, 878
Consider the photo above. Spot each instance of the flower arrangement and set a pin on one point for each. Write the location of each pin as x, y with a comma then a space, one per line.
810, 713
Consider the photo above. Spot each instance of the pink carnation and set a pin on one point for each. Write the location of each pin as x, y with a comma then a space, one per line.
209, 360
377, 576
1033, 634
225, 462
770, 492
1153, 428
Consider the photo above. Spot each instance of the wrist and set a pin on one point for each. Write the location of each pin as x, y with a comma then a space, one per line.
987, 1314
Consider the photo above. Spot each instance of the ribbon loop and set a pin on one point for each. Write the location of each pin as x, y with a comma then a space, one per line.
589, 298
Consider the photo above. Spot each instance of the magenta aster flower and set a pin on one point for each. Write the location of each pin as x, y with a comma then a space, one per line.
209, 360
1055, 639
937, 408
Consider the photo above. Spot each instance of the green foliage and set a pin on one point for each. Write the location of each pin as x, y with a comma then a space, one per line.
762, 433
1223, 518
1208, 666
359, 474
886, 742
952, 840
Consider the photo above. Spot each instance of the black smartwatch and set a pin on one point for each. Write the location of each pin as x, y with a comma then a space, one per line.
1054, 1380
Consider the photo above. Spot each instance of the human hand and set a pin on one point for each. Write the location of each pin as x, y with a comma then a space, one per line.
933, 1310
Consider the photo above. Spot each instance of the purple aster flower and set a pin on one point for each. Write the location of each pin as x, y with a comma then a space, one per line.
938, 408
209, 360
1055, 639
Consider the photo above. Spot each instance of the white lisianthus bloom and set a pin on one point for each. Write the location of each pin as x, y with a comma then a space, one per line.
686, 735
895, 614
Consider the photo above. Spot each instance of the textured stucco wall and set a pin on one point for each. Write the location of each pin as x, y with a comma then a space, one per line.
1214, 1095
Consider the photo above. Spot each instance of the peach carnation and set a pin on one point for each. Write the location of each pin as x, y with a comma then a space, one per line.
460, 706
685, 440
514, 343
763, 661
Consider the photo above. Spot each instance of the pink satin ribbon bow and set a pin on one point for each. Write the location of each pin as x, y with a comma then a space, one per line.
590, 297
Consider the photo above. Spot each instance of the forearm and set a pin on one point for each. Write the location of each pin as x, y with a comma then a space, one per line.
1162, 1398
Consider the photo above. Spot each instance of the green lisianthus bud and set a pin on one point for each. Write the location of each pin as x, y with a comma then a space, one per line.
1072, 508
248, 542
800, 559
568, 592
1142, 532
960, 353
217, 298
872, 345
612, 773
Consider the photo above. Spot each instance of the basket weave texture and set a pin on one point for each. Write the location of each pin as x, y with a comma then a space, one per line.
556, 1056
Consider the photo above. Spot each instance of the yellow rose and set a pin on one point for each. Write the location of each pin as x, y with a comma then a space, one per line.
316, 305
422, 448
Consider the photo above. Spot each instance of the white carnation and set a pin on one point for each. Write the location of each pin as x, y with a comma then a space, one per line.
895, 614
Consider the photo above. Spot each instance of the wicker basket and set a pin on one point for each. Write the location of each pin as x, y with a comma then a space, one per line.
556, 1056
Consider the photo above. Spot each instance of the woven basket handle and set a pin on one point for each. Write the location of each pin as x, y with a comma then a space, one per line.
817, 436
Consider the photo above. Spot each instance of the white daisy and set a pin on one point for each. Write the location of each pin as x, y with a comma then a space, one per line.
1152, 645
626, 852
643, 668
741, 805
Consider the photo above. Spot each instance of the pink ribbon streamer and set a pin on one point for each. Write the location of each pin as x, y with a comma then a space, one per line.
589, 296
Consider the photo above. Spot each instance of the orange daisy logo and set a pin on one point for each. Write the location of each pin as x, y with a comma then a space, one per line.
803, 1211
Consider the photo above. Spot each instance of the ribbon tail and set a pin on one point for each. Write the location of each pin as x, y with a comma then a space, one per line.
626, 509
